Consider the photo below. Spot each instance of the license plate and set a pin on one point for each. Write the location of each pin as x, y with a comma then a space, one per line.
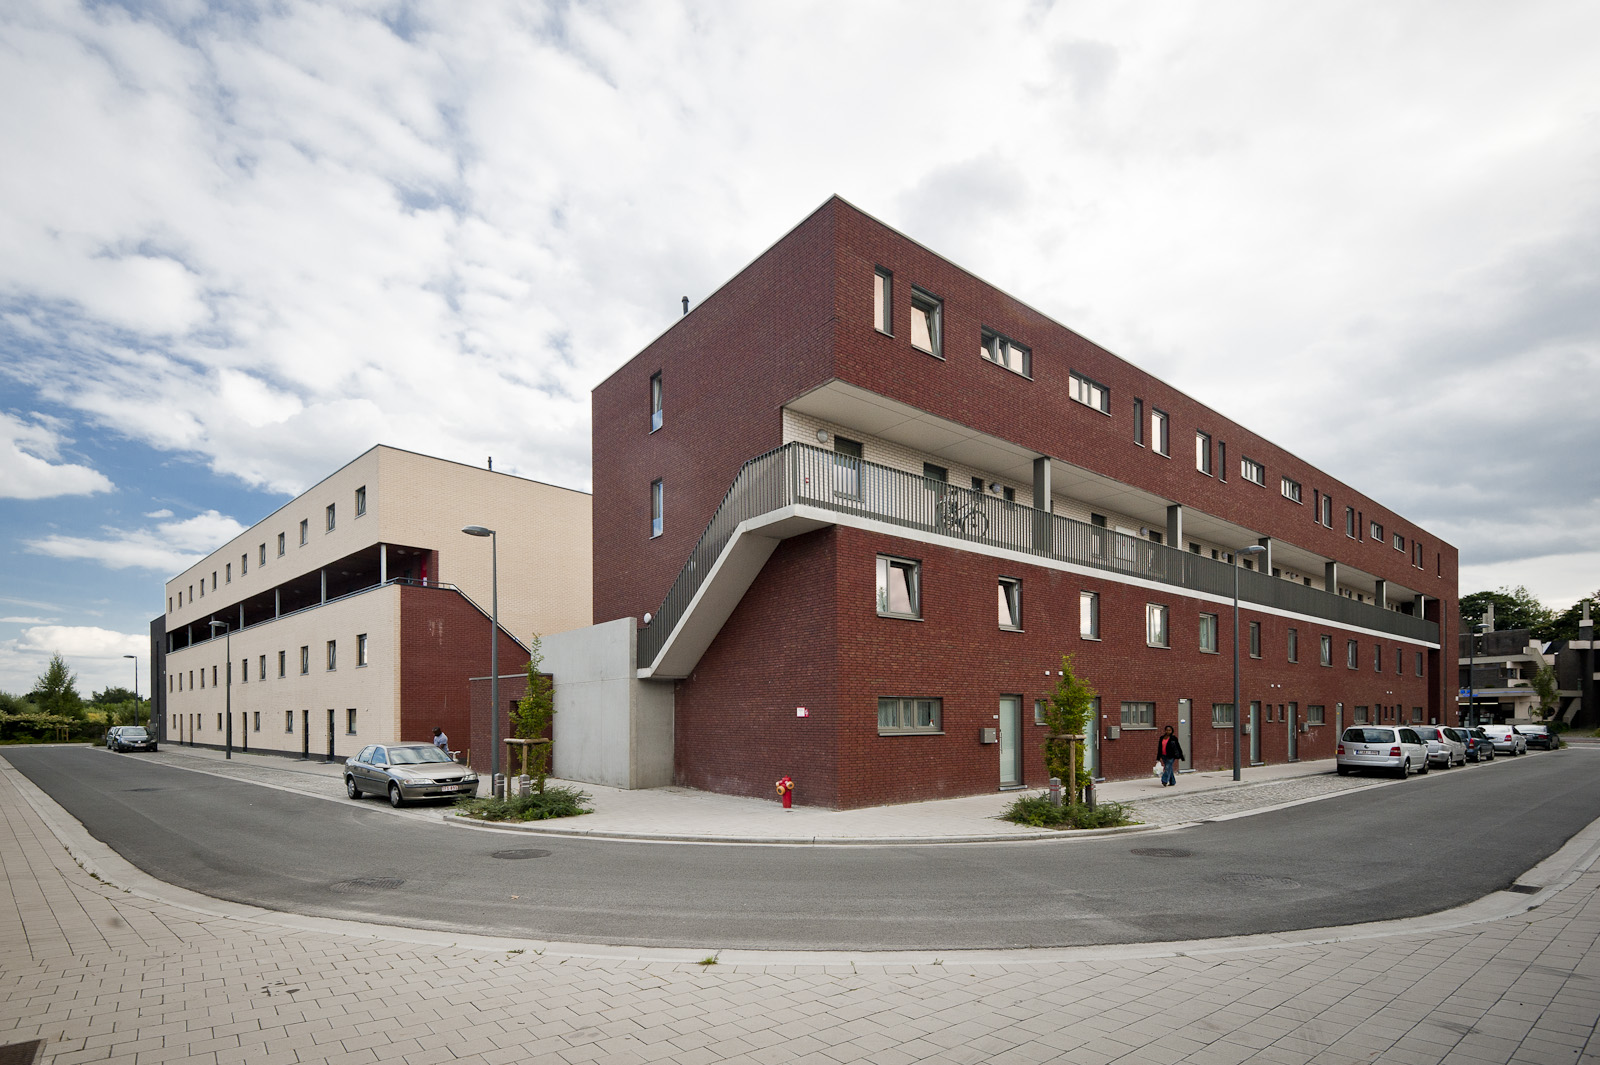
451, 787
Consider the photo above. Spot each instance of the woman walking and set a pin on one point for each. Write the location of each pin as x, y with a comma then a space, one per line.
1169, 753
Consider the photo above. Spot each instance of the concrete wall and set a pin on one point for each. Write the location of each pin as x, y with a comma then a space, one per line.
610, 727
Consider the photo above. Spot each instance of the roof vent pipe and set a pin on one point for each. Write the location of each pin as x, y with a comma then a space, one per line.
686, 305
491, 463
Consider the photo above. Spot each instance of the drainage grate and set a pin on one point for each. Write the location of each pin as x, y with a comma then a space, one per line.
1160, 852
367, 883
22, 1053
1525, 889
517, 856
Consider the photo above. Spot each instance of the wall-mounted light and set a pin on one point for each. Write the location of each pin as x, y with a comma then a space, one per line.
994, 486
822, 436
648, 617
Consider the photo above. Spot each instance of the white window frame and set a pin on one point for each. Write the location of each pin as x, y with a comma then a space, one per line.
331, 518
1293, 644
1202, 452
658, 508
883, 301
1137, 714
1325, 650
1252, 471
1352, 654
656, 401
1208, 634
1157, 628
1375, 531
1221, 715
914, 716
333, 654
1008, 598
1291, 490
887, 565
927, 309
1316, 714
361, 501
1399, 541
1160, 432
1089, 392
1254, 634
1089, 615
1003, 351
305, 659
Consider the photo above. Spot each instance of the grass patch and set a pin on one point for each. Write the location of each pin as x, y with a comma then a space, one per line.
540, 806
1036, 811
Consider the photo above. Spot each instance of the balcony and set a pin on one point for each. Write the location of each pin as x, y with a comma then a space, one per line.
798, 487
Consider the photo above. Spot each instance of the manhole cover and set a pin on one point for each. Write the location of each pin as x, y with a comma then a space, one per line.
367, 883
517, 856
1259, 880
1160, 852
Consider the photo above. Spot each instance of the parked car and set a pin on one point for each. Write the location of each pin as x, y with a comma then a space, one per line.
1480, 748
407, 771
132, 738
1507, 740
111, 736
1394, 750
1539, 736
1444, 748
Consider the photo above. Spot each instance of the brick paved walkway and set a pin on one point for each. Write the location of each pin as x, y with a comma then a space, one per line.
107, 965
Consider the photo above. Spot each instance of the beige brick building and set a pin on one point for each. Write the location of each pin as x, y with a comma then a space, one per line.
356, 613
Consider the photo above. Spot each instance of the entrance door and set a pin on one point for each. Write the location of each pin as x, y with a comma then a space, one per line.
305, 734
1185, 711
330, 735
244, 732
1255, 733
1010, 741
1294, 732
1091, 744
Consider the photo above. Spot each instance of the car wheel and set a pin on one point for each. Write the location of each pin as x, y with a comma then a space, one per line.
395, 799
154, 748
1404, 770
350, 788
1342, 770
1422, 771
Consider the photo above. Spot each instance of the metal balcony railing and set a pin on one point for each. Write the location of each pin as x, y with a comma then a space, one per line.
810, 476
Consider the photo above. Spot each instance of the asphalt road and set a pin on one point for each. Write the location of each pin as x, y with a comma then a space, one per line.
1421, 846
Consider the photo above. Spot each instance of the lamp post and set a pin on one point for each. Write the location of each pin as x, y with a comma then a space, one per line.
494, 647
1238, 723
135, 685
1472, 654
227, 705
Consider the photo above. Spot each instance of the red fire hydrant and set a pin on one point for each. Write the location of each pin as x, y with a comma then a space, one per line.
786, 792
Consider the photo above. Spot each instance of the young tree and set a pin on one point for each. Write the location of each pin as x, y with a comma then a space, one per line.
534, 713
1067, 715
1544, 682
56, 690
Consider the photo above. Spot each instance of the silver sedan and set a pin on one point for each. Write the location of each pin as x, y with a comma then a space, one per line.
406, 771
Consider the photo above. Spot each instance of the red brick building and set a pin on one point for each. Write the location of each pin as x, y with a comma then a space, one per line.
868, 501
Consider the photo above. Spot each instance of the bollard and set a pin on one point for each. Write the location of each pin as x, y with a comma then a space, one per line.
524, 785
497, 787
1055, 791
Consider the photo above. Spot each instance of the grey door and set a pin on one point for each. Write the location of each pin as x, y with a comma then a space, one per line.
305, 734
1185, 712
1255, 733
1091, 744
1294, 732
1010, 741
330, 735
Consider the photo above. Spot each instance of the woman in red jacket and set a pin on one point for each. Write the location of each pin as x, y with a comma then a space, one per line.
1169, 753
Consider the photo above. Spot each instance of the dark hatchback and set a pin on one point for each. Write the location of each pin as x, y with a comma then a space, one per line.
132, 738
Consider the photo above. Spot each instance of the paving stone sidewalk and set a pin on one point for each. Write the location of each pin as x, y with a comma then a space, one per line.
105, 965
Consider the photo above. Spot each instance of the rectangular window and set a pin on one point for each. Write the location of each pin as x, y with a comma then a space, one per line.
1327, 650
228, 571
883, 301
219, 722
1352, 655
283, 657
1255, 639
256, 720
1419, 663
169, 603
305, 659
1208, 633
263, 559
1222, 461
1221, 715
350, 722
361, 501
244, 671
1138, 422
935, 477
1350, 522
1038, 711
305, 531
288, 721
1399, 542
244, 563
1138, 715
1089, 393
1377, 658
1316, 715
280, 545
1291, 489
1327, 511
847, 467
927, 323
1009, 594
899, 587
333, 654
1160, 434
655, 401
1416, 555
1089, 615
261, 669
897, 716
1003, 351
1294, 645
361, 649
213, 676
330, 519
1253, 471
1375, 531
658, 508
1202, 452
1399, 661
1155, 625
202, 587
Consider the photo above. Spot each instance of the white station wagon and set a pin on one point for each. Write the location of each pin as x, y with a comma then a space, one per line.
1385, 747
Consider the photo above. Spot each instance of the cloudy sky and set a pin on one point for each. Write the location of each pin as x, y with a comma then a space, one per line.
245, 242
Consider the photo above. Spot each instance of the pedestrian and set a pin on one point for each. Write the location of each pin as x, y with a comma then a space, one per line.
1169, 752
441, 741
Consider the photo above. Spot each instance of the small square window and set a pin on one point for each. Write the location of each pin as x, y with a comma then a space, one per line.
1009, 594
330, 519
1138, 715
1202, 452
350, 722
1316, 715
655, 401
883, 301
1255, 639
361, 649
1291, 490
361, 501
1221, 715
1160, 435
910, 715
899, 587
927, 322
1252, 471
305, 531
1327, 650
657, 509
1089, 393
1089, 615
1006, 352
333, 654
1155, 625
1208, 633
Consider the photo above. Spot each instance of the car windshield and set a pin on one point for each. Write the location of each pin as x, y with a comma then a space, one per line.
133, 734
1369, 735
413, 755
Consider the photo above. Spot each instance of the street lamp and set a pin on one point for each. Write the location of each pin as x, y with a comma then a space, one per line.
1472, 654
494, 647
135, 685
1238, 724
227, 705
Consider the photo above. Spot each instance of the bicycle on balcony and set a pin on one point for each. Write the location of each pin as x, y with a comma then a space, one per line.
962, 518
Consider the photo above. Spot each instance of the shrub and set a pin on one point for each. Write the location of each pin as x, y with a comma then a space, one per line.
540, 806
1036, 811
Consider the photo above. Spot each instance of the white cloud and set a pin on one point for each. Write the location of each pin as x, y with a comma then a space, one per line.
162, 513
28, 470
94, 655
1557, 581
81, 641
169, 548
27, 621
